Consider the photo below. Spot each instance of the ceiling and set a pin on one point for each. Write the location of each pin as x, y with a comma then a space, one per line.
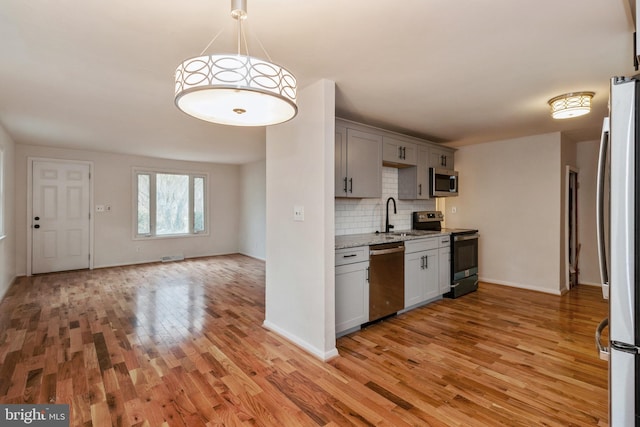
98, 75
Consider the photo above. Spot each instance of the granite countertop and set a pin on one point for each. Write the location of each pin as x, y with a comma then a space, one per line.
355, 240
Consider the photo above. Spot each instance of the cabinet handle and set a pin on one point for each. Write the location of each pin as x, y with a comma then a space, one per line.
367, 274
419, 189
399, 152
349, 256
345, 185
350, 185
426, 262
422, 263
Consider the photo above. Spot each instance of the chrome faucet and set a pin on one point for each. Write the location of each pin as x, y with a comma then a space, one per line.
388, 226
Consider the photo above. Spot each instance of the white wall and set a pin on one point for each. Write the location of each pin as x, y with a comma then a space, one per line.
112, 184
511, 191
251, 240
8, 243
300, 282
587, 162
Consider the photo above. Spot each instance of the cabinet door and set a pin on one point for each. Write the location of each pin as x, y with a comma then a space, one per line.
413, 182
444, 259
432, 266
440, 158
398, 152
414, 278
364, 164
341, 162
422, 174
352, 296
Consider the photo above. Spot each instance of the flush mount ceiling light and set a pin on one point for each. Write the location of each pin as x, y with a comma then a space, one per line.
571, 105
236, 89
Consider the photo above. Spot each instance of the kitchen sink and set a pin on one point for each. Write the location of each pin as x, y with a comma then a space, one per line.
405, 233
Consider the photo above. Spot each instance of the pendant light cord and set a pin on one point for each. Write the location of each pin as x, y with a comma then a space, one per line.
241, 36
211, 42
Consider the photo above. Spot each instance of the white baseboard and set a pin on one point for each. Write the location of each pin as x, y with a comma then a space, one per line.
322, 355
590, 284
253, 256
521, 286
149, 261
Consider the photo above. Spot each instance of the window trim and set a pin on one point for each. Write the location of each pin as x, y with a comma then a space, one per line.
152, 172
2, 194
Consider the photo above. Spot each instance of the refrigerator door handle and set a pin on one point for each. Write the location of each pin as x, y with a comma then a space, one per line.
600, 224
602, 350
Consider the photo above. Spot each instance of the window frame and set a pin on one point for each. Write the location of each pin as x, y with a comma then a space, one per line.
152, 173
2, 191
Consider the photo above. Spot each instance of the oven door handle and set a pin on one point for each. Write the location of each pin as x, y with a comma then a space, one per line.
466, 237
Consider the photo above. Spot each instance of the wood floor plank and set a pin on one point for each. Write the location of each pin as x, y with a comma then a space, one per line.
181, 344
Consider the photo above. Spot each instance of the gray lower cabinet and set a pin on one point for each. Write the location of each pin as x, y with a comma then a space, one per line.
426, 277
421, 281
352, 288
444, 258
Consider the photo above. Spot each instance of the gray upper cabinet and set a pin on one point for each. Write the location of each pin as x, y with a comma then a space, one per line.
362, 151
358, 163
413, 183
441, 158
398, 153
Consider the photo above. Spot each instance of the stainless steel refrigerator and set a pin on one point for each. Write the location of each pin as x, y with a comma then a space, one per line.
618, 248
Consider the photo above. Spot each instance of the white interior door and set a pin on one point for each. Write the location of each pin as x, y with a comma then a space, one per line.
60, 222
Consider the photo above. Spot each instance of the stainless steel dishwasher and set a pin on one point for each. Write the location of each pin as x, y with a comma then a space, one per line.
386, 279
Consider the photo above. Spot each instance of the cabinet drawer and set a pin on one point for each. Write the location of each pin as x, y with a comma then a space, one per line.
351, 255
421, 244
444, 241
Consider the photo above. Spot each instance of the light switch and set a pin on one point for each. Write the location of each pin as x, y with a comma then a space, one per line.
454, 209
298, 213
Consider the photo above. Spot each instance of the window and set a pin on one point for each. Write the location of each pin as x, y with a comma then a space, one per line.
169, 203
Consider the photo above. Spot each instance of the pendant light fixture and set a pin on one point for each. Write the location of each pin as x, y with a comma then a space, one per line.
236, 89
571, 105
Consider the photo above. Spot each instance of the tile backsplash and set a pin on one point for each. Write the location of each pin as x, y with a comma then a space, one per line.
354, 216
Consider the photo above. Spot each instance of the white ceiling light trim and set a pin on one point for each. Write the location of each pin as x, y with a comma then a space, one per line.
236, 89
571, 105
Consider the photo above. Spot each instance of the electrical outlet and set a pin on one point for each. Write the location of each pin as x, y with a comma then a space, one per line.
298, 213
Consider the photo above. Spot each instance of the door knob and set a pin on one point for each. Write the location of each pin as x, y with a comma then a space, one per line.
37, 218
36, 226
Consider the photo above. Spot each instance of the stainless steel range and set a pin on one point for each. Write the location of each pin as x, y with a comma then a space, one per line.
464, 252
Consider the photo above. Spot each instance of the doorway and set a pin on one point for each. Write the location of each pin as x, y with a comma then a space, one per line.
59, 225
572, 245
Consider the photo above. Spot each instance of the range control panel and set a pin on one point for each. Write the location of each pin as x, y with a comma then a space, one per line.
428, 216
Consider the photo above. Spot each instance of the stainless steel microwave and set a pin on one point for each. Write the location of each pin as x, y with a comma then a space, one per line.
443, 183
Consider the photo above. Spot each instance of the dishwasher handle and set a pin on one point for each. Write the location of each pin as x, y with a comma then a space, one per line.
374, 252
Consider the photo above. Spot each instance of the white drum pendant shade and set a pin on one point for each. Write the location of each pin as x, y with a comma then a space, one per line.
237, 90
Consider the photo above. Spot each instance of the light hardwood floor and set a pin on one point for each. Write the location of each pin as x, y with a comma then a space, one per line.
181, 344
